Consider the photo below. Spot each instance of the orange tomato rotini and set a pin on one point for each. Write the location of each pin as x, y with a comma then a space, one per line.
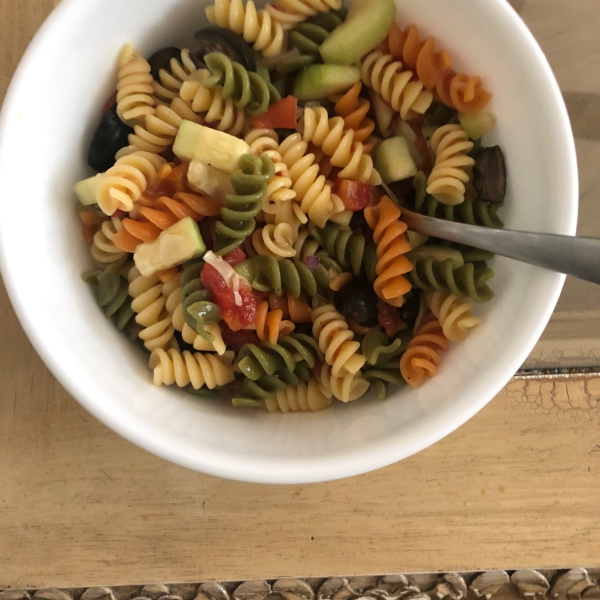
163, 213
270, 323
434, 70
354, 111
392, 245
296, 309
422, 357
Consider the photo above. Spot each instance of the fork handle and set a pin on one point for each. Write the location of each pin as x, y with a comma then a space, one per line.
578, 256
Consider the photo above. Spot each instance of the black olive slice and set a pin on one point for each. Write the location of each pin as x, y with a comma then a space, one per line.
161, 59
217, 39
359, 301
489, 175
110, 136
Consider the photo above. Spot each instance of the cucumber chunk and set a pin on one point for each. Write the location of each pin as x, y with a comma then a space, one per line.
320, 81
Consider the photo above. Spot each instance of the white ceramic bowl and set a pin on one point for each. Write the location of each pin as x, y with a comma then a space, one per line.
47, 120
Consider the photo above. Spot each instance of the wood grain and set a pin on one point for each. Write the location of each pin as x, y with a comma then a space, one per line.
517, 486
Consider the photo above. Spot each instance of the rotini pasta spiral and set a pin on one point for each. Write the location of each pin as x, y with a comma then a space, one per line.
123, 184
379, 350
336, 142
296, 309
420, 57
341, 243
386, 76
182, 368
270, 323
149, 305
354, 109
274, 240
257, 392
443, 276
288, 213
238, 214
291, 12
247, 88
345, 386
104, 249
255, 26
473, 211
446, 183
135, 91
211, 105
461, 92
171, 80
163, 213
172, 291
312, 191
159, 129
380, 379
392, 245
267, 274
196, 310
454, 315
268, 358
422, 358
302, 397
113, 296
279, 188
336, 340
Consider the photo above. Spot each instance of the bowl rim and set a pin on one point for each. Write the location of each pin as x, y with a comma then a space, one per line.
219, 465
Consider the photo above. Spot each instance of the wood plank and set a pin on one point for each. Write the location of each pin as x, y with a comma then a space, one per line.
516, 486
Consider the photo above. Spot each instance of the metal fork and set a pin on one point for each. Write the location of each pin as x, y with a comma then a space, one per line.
577, 256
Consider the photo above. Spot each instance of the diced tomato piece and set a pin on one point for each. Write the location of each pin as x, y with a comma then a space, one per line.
235, 257
236, 339
389, 318
112, 99
356, 195
281, 115
237, 317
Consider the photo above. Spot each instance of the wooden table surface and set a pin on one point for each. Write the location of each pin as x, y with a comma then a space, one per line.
517, 486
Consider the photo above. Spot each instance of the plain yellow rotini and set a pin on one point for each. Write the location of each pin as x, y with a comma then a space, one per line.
123, 184
172, 292
336, 142
446, 183
291, 12
103, 248
396, 86
312, 191
212, 107
149, 305
275, 240
160, 129
289, 213
135, 92
182, 368
279, 189
309, 396
255, 26
336, 340
454, 314
171, 80
344, 386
